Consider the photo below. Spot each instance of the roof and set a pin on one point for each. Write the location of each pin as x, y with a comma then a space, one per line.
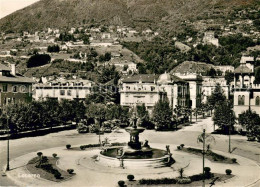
243, 69
3, 67
168, 78
192, 67
16, 79
150, 78
145, 78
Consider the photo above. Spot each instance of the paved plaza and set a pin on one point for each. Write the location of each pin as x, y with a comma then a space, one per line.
91, 173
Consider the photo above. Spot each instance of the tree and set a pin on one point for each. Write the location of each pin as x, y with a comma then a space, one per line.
53, 49
212, 72
207, 139
98, 113
216, 96
51, 110
229, 77
250, 120
224, 116
162, 114
143, 115
257, 76
38, 60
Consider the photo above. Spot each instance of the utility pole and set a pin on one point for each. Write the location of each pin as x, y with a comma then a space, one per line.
229, 129
203, 158
8, 166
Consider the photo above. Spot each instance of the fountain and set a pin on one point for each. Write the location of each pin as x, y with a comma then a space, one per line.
135, 155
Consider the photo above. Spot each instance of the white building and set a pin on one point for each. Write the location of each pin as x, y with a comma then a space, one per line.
209, 38
63, 89
246, 92
148, 89
209, 84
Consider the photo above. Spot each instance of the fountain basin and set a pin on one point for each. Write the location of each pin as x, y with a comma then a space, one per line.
153, 158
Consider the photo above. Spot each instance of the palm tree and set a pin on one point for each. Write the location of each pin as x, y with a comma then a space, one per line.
206, 139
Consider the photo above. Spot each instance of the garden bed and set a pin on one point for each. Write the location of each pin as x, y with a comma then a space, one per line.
210, 155
173, 181
31, 167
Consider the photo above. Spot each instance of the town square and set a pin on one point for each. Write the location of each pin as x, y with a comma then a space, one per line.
130, 93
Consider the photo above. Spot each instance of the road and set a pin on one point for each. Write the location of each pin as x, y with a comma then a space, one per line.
187, 135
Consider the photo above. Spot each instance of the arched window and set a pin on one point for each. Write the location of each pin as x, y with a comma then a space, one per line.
257, 101
243, 100
239, 100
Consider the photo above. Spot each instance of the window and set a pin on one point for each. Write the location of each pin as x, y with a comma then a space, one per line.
14, 88
62, 92
257, 101
4, 87
241, 100
69, 92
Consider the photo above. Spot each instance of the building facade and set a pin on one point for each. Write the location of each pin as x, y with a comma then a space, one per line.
246, 92
148, 89
63, 89
14, 88
209, 84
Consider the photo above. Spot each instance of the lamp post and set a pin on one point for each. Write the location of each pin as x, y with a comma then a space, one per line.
203, 158
229, 136
8, 166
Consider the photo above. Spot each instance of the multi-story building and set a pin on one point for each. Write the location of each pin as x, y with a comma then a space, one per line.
209, 85
148, 89
201, 85
14, 88
246, 92
63, 89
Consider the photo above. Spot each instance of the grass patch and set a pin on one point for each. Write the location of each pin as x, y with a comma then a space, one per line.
31, 166
210, 155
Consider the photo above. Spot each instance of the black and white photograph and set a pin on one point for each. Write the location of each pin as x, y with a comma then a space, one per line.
130, 93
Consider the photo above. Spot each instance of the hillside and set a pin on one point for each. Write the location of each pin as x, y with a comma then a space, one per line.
164, 14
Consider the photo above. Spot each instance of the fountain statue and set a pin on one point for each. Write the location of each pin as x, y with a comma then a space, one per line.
134, 131
130, 156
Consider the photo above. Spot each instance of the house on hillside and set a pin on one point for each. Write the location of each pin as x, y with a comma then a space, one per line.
209, 38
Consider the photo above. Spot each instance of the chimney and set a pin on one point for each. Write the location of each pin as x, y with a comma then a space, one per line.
13, 71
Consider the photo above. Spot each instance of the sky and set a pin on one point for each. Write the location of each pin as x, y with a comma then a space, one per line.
9, 6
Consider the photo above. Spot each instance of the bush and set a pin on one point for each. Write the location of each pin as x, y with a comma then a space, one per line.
182, 145
228, 171
121, 183
179, 147
39, 154
68, 146
183, 180
57, 175
70, 171
207, 169
82, 147
54, 155
197, 177
44, 159
234, 160
158, 181
130, 177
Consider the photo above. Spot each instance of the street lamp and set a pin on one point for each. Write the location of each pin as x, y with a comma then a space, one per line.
8, 166
229, 136
203, 158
